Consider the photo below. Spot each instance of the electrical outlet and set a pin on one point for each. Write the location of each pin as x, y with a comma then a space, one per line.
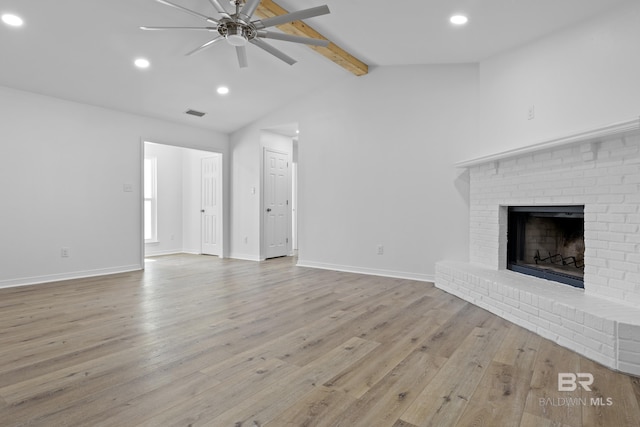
380, 250
64, 252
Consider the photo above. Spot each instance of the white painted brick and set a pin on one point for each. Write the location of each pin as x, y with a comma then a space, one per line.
610, 255
621, 284
631, 368
633, 219
611, 218
630, 346
600, 358
529, 309
570, 344
611, 179
627, 248
628, 357
633, 238
623, 266
593, 322
576, 327
628, 332
622, 208
541, 324
597, 336
610, 236
634, 279
562, 331
546, 305
611, 273
512, 302
625, 189
606, 198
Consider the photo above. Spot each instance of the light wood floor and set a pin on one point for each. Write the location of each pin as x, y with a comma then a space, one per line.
199, 341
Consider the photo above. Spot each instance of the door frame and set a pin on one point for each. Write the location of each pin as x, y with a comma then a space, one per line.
224, 196
263, 230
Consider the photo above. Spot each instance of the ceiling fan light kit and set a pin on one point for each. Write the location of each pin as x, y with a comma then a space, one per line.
238, 29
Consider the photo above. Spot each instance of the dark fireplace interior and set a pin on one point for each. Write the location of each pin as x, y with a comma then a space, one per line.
547, 242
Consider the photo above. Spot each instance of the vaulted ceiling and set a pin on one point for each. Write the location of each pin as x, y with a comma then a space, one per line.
83, 50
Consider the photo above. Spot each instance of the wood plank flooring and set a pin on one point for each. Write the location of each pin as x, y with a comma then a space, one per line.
200, 341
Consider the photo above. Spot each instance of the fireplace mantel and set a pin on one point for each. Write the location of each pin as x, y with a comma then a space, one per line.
618, 129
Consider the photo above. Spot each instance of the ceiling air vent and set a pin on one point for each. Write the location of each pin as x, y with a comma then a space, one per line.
195, 113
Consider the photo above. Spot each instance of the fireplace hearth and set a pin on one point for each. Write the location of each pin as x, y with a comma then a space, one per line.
547, 242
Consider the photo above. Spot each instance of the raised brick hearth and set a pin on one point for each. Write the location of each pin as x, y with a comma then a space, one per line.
599, 169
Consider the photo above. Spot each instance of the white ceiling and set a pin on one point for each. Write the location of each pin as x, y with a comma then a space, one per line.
83, 50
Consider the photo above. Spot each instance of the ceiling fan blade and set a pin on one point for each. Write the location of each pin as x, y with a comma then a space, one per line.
291, 38
241, 52
204, 46
293, 16
180, 28
189, 11
219, 8
272, 50
248, 10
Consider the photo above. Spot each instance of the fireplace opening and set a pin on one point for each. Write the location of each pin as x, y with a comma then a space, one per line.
547, 242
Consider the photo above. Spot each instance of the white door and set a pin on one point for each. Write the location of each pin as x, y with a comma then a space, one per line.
276, 203
211, 206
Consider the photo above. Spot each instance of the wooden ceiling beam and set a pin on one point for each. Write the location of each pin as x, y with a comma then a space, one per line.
269, 9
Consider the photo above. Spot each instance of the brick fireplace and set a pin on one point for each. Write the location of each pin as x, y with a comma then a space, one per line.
598, 170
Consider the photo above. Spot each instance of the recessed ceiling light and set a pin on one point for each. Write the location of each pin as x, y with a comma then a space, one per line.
223, 90
142, 63
458, 19
13, 20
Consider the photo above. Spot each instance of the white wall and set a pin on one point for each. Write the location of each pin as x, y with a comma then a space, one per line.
62, 170
375, 167
579, 79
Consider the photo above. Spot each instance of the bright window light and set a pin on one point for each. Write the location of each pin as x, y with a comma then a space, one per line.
458, 19
13, 20
150, 199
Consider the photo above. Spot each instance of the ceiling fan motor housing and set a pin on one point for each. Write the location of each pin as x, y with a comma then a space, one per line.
237, 33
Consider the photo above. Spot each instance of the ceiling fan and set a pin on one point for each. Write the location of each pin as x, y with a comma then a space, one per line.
238, 28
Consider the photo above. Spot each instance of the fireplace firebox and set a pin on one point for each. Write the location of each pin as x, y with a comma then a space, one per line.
547, 242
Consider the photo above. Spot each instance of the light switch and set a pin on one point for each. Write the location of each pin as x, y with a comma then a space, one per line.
127, 188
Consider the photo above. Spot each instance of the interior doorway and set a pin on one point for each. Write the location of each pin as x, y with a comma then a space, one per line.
186, 201
278, 191
277, 203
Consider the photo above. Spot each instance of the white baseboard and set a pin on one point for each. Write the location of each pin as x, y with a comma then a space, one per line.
35, 280
165, 252
370, 271
191, 251
245, 257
